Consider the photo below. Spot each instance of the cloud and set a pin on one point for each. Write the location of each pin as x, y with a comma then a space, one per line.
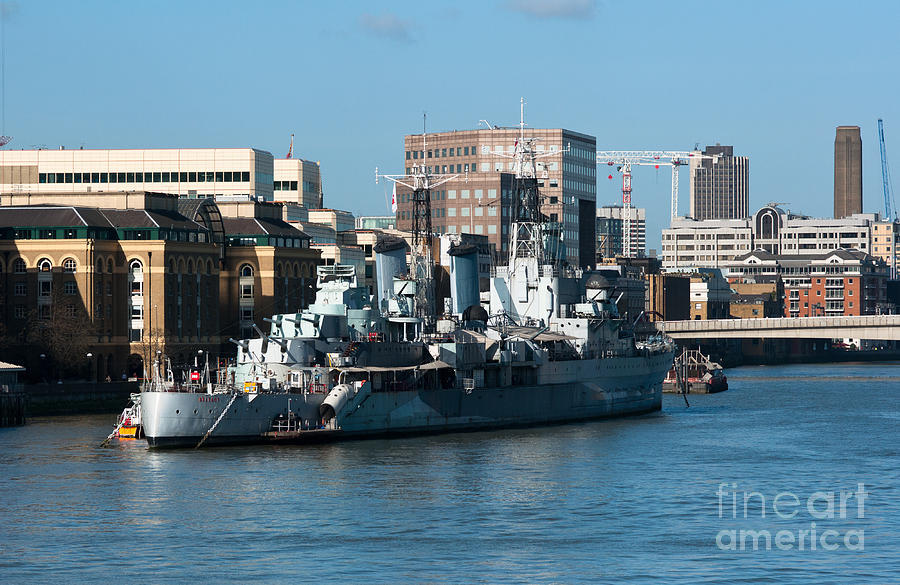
573, 9
387, 25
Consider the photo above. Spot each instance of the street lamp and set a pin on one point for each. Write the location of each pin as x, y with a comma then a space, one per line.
88, 356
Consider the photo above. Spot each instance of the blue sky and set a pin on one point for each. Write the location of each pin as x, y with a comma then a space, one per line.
351, 78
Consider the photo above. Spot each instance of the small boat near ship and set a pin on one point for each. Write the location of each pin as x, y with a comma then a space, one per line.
128, 424
695, 373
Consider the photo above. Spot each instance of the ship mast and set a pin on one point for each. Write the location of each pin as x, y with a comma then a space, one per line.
420, 181
527, 224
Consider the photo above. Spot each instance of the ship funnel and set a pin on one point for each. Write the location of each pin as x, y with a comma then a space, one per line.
463, 277
390, 261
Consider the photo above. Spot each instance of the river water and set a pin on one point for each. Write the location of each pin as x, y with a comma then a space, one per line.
633, 500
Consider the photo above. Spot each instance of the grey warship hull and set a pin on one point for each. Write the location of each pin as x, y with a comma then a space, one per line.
606, 388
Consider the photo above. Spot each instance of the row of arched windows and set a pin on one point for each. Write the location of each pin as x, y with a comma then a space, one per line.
190, 266
291, 270
19, 266
69, 265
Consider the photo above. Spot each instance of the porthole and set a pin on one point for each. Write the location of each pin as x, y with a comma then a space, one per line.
195, 411
210, 411
177, 412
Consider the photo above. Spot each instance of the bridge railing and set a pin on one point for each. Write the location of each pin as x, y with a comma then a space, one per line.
781, 323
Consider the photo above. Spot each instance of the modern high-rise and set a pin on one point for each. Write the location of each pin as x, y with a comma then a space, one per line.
847, 171
610, 230
479, 199
720, 184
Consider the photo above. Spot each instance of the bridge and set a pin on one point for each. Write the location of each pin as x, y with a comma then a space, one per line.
881, 327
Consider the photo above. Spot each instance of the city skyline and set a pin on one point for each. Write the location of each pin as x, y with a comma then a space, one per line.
322, 82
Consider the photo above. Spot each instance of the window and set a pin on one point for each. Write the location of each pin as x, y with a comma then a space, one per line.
246, 291
44, 265
246, 313
246, 270
20, 289
44, 290
69, 265
70, 288
19, 266
136, 267
19, 312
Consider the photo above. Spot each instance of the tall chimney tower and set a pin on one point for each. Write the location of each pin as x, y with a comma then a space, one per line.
847, 171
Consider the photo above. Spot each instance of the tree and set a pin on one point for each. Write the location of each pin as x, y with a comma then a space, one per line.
62, 331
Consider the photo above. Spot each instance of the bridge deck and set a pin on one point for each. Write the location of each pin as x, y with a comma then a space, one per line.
884, 327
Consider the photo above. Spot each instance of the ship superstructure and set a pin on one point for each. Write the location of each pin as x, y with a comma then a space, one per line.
550, 347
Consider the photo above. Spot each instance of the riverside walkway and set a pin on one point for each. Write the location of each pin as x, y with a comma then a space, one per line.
883, 327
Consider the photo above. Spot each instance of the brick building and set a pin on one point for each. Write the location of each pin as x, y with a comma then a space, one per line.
837, 283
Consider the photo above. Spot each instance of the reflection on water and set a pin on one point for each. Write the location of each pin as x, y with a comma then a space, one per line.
625, 500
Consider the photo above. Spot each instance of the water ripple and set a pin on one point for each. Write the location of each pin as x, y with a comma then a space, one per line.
631, 501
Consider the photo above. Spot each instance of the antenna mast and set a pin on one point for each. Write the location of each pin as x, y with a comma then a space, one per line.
420, 181
527, 224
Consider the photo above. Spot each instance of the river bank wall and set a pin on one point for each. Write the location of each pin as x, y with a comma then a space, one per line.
77, 398
746, 352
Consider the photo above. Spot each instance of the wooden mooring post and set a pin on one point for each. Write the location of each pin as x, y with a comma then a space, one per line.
12, 409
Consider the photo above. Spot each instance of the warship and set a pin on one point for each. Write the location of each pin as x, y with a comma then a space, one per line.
545, 346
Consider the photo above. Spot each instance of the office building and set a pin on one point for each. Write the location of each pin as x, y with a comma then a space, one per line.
715, 243
836, 283
886, 238
298, 181
847, 171
610, 230
479, 199
720, 184
221, 173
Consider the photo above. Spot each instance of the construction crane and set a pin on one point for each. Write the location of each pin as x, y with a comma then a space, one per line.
626, 158
290, 153
890, 208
